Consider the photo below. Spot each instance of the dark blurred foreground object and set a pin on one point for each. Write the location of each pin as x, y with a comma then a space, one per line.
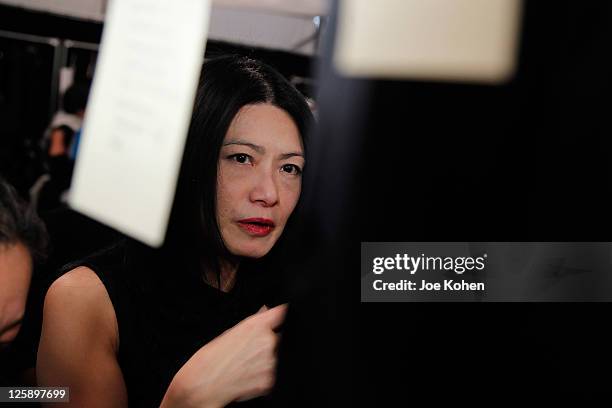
423, 161
317, 354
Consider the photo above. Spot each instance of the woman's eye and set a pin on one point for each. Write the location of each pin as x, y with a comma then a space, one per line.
241, 158
292, 169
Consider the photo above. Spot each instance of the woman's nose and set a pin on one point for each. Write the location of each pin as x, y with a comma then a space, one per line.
264, 189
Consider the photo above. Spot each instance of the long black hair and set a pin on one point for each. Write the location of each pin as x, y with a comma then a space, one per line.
226, 85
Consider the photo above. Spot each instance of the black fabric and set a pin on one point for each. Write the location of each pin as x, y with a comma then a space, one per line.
165, 313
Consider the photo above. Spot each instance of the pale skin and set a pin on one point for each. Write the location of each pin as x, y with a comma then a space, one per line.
259, 177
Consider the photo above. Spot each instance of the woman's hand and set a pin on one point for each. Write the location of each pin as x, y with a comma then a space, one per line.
238, 365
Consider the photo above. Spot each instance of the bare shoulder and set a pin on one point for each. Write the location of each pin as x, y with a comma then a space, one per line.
82, 277
78, 301
79, 342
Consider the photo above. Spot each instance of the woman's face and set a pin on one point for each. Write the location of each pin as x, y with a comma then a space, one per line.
259, 179
15, 276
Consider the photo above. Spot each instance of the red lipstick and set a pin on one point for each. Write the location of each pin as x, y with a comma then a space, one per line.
259, 227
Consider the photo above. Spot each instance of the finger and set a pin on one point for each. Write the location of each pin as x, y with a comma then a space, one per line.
262, 309
274, 317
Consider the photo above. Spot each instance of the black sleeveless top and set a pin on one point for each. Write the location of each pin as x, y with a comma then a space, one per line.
165, 315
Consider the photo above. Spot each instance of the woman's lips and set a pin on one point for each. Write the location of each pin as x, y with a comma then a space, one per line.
259, 227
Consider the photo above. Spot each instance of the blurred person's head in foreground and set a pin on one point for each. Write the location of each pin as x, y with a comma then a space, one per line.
23, 241
241, 176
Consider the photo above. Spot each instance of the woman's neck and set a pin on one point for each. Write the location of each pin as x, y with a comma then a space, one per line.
227, 275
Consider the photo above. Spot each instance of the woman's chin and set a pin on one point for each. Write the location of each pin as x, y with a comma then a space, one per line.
250, 251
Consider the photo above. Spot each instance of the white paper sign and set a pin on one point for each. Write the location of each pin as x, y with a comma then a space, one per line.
138, 114
448, 40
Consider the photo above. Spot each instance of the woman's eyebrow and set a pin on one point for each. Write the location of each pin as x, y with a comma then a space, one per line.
292, 154
261, 149
257, 148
